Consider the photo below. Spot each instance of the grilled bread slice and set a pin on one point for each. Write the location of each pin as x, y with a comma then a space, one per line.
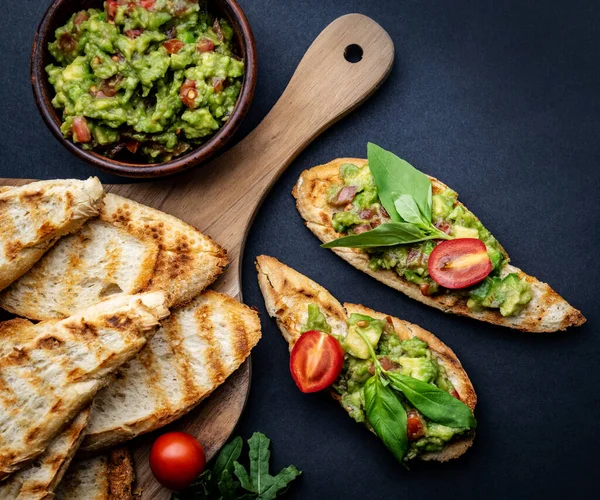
546, 312
130, 248
39, 480
193, 352
287, 295
33, 217
47, 380
106, 477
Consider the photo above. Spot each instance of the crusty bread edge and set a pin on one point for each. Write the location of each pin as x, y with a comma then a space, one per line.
319, 222
94, 443
445, 355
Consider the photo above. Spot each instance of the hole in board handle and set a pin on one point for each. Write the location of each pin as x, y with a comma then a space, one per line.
353, 53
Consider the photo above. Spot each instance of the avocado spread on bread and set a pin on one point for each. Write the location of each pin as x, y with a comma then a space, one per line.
360, 209
411, 357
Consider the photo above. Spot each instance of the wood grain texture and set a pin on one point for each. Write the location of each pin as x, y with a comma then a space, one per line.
221, 198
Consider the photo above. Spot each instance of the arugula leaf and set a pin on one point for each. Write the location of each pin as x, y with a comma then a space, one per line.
229, 454
387, 416
433, 402
221, 484
395, 177
259, 481
384, 235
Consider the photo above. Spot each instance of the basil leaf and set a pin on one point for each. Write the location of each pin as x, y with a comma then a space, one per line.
395, 177
407, 208
436, 404
387, 416
384, 235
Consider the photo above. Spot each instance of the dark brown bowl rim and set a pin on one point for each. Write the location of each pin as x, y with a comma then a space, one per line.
201, 154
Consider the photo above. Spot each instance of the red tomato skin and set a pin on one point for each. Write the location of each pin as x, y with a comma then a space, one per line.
173, 46
329, 363
111, 8
147, 4
414, 425
81, 131
205, 45
176, 459
449, 251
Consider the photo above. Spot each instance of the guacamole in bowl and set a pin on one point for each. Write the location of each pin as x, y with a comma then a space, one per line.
148, 79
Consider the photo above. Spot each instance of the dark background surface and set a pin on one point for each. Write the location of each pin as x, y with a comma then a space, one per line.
501, 101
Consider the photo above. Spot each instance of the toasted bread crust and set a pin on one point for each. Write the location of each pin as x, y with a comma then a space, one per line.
547, 311
130, 248
39, 481
287, 293
166, 374
47, 380
34, 216
105, 477
188, 261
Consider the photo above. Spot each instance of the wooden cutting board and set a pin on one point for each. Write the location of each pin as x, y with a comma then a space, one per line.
222, 197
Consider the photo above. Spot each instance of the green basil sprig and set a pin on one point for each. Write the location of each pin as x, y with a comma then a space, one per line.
406, 195
436, 404
387, 415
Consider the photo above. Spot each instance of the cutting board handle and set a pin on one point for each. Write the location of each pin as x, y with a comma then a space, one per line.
324, 88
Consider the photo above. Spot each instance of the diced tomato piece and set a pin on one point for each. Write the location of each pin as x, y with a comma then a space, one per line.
147, 4
132, 146
443, 226
81, 131
414, 425
387, 364
67, 43
205, 45
344, 196
363, 228
134, 33
188, 93
81, 17
173, 46
217, 29
459, 263
217, 84
111, 8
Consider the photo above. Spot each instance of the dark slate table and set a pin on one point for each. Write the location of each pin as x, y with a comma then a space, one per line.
500, 100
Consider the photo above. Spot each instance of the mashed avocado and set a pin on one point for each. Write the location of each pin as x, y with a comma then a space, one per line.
411, 357
364, 211
155, 77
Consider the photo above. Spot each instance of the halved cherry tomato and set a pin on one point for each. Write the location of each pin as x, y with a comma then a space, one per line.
414, 425
459, 263
316, 361
173, 46
176, 459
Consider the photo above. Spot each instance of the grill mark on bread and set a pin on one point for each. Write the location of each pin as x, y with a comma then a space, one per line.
216, 373
197, 343
182, 363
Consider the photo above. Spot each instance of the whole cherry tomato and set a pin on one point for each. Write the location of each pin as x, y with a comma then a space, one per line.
176, 459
